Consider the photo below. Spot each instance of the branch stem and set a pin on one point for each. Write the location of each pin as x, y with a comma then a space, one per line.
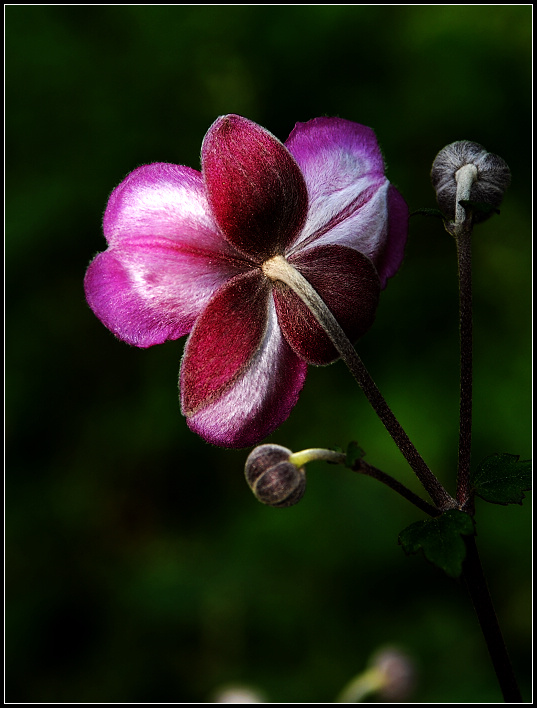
315, 453
394, 484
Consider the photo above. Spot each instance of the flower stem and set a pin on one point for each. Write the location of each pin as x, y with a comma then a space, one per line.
473, 574
464, 252
381, 476
278, 268
311, 454
462, 231
477, 587
361, 687
317, 454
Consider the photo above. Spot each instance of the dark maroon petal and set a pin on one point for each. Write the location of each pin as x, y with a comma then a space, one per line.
348, 283
239, 377
255, 188
225, 338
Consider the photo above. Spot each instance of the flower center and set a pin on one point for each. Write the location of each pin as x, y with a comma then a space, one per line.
277, 268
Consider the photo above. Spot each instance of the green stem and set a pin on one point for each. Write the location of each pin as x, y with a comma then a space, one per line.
363, 686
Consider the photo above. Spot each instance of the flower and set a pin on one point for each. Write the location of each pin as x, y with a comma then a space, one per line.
186, 250
492, 178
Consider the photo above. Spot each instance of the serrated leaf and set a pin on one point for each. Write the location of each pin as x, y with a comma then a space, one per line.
354, 453
502, 479
440, 539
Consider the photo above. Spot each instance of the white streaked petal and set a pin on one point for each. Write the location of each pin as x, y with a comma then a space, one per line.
260, 399
364, 229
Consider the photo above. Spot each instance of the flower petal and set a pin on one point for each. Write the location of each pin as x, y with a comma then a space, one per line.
349, 196
389, 259
348, 283
239, 377
149, 291
166, 256
163, 200
255, 188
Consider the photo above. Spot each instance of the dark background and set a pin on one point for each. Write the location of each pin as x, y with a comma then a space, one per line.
139, 566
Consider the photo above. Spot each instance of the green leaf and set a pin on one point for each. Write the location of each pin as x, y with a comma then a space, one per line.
354, 454
502, 479
440, 539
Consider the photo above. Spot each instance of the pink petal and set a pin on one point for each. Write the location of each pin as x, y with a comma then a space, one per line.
255, 188
167, 201
239, 378
389, 260
166, 256
348, 192
349, 285
148, 291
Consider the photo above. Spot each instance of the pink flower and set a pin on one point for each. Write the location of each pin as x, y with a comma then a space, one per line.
185, 255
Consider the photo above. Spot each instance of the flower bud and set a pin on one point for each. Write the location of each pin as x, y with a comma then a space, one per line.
391, 676
399, 674
272, 478
492, 179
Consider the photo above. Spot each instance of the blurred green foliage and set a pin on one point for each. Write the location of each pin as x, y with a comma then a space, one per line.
139, 566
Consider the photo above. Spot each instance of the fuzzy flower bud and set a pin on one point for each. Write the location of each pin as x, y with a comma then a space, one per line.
491, 179
273, 478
